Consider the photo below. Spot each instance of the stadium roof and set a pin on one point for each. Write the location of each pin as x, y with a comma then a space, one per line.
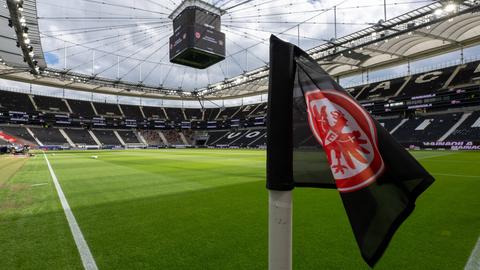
10, 49
430, 30
418, 34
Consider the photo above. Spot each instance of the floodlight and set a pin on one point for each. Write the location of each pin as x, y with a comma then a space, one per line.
450, 7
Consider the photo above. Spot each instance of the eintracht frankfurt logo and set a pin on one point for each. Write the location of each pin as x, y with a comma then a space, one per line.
348, 136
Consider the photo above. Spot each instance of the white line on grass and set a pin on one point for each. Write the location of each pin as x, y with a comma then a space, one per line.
41, 184
474, 260
85, 254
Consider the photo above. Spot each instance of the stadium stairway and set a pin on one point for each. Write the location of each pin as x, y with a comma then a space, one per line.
95, 138
184, 115
120, 110
143, 113
184, 140
33, 102
33, 136
165, 113
119, 138
454, 127
162, 137
140, 138
68, 106
94, 109
64, 134
257, 140
216, 139
399, 125
453, 76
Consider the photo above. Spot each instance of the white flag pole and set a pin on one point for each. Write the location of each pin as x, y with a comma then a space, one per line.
280, 230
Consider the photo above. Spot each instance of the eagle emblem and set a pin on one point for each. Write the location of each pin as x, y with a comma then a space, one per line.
348, 136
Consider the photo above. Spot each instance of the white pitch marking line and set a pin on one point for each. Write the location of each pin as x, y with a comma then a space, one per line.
85, 254
474, 260
37, 185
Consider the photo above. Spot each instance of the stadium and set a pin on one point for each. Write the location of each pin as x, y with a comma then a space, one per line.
135, 134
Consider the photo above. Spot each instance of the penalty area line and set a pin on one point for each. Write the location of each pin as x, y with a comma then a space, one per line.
85, 254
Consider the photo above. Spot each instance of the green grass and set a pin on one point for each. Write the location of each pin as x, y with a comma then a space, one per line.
207, 209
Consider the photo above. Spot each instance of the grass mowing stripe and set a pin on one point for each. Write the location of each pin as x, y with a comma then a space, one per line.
9, 167
200, 210
474, 260
85, 254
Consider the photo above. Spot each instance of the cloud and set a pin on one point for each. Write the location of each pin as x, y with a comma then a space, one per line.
127, 38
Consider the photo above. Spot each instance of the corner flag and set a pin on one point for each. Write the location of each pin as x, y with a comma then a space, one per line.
319, 136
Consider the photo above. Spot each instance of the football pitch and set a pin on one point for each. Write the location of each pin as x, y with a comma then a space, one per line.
207, 209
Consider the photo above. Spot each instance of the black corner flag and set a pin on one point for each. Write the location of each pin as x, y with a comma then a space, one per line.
319, 136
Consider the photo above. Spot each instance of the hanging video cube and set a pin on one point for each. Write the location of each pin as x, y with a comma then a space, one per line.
197, 41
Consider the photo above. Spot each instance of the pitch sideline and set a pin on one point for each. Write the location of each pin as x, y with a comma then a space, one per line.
82, 246
474, 260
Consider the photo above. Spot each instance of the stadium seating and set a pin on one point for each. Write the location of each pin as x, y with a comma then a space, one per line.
106, 137
228, 113
390, 123
427, 83
380, 90
240, 138
260, 110
173, 137
467, 74
81, 108
50, 104
80, 136
250, 138
152, 137
107, 109
10, 101
426, 128
214, 136
175, 114
260, 143
245, 111
154, 113
128, 136
211, 114
18, 132
469, 130
188, 134
354, 91
194, 114
230, 138
49, 136
131, 111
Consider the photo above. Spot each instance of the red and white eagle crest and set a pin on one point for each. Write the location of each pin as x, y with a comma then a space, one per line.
348, 136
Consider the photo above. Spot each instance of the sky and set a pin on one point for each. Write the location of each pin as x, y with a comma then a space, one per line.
127, 39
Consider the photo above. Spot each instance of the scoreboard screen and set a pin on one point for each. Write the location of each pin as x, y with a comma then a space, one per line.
197, 41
